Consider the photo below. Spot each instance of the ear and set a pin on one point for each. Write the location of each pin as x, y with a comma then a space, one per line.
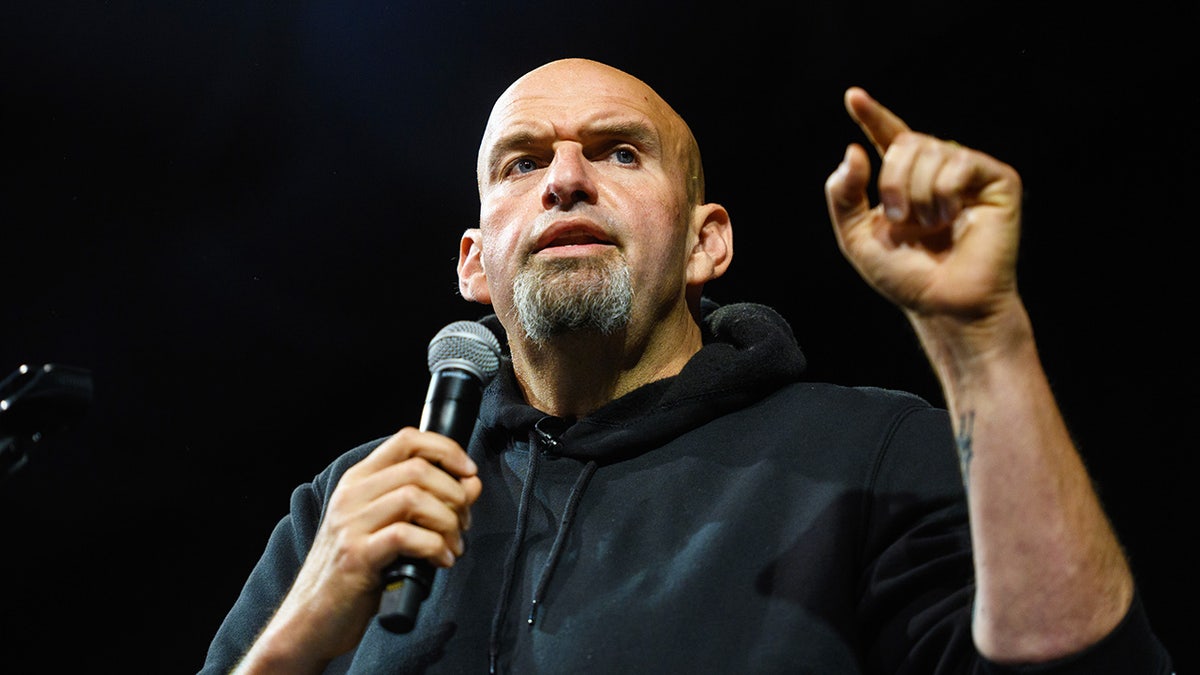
713, 250
472, 280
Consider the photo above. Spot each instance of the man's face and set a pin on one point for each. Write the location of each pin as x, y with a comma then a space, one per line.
581, 174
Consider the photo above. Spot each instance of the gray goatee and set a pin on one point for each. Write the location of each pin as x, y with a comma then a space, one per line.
573, 294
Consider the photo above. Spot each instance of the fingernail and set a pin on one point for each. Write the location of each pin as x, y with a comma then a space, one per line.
448, 558
894, 213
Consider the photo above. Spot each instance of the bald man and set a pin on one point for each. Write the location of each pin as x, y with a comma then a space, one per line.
654, 486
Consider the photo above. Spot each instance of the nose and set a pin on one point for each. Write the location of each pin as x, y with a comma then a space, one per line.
569, 178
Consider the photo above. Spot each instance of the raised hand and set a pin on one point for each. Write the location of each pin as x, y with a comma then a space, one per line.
943, 239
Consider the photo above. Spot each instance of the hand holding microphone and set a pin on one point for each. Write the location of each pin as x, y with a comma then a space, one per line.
333, 597
463, 357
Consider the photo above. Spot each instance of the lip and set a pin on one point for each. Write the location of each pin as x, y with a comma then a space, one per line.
572, 235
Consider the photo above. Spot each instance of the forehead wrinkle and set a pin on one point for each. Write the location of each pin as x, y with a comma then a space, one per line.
604, 125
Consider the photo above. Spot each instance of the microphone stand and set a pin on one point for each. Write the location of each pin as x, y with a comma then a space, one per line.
35, 402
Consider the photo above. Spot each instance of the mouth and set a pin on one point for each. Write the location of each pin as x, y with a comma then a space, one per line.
572, 238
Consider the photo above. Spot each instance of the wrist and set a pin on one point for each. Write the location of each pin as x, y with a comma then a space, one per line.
288, 643
966, 353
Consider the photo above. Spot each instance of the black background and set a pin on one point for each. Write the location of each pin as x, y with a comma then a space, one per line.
243, 219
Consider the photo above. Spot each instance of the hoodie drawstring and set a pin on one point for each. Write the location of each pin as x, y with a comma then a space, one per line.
559, 537
540, 441
510, 562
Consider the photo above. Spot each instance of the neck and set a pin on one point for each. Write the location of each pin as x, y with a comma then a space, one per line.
574, 374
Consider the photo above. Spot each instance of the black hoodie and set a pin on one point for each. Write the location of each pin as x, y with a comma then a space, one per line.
731, 519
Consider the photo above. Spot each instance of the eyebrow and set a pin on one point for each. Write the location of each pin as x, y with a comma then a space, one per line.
506, 144
636, 132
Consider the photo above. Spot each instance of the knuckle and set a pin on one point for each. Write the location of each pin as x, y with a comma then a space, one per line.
413, 469
407, 498
947, 184
407, 435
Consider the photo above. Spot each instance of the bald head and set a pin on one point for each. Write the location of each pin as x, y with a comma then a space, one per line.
582, 87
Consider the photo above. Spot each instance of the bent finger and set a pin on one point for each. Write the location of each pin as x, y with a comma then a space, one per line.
435, 448
411, 504
923, 196
404, 539
895, 177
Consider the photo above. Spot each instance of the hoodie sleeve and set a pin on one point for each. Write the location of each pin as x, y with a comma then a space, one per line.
276, 569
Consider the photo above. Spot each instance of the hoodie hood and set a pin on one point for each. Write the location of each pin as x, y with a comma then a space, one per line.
749, 351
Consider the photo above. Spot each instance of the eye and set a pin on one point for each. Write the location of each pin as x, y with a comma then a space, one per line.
625, 156
524, 165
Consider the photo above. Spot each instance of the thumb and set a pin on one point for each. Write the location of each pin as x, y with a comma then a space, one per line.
846, 188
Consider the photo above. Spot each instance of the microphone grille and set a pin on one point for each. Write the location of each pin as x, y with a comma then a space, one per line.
468, 345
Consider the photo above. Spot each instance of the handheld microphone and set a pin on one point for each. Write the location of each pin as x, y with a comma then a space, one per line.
463, 357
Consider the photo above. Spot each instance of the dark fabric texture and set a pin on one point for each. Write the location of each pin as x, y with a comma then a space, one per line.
734, 518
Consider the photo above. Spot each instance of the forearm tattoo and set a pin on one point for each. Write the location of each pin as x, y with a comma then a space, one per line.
963, 440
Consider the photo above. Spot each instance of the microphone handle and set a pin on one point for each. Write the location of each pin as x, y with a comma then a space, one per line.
451, 406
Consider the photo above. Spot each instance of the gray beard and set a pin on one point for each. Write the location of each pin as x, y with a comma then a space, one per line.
571, 295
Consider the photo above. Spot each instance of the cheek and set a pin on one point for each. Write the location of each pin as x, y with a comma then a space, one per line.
662, 255
492, 260
501, 227
499, 261
671, 237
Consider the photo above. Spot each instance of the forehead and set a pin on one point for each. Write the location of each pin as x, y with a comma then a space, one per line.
569, 101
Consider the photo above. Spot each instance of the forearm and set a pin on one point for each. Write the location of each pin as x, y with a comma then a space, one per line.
1051, 577
285, 645
322, 616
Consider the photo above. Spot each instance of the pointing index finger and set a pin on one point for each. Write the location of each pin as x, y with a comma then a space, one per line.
880, 124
